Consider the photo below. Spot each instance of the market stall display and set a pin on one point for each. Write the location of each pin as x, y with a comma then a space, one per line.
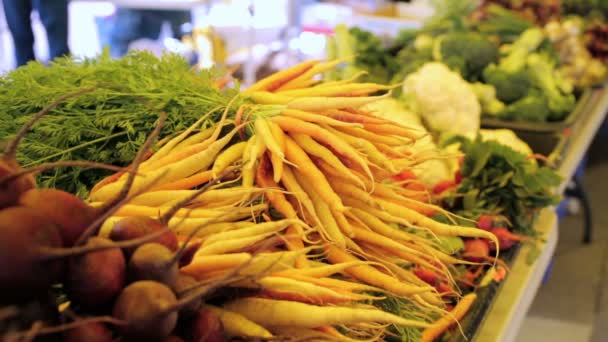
281, 197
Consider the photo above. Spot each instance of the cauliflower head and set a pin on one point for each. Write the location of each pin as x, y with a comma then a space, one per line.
445, 101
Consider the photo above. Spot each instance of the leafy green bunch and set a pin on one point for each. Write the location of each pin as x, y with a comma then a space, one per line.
500, 180
110, 123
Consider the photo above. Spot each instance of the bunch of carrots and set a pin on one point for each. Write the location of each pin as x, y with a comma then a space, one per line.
305, 207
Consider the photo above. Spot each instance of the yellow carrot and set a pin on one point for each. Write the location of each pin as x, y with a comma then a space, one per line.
312, 174
317, 118
270, 312
276, 160
276, 80
341, 90
211, 263
305, 78
227, 157
254, 230
313, 103
313, 148
293, 186
186, 183
237, 325
324, 136
441, 325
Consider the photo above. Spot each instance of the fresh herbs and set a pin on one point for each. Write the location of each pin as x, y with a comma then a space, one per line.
109, 124
499, 180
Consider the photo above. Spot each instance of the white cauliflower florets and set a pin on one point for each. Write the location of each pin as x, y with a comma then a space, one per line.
444, 99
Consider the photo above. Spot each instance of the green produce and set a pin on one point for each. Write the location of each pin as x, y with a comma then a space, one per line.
486, 94
466, 52
498, 180
510, 77
532, 107
106, 125
502, 23
542, 71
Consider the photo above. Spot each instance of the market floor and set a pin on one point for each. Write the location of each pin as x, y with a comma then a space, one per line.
572, 304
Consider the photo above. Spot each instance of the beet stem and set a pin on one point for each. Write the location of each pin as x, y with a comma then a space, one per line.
53, 165
63, 327
112, 206
11, 149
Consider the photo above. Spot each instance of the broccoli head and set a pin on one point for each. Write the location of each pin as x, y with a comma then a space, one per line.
533, 107
509, 76
486, 94
542, 71
466, 52
510, 86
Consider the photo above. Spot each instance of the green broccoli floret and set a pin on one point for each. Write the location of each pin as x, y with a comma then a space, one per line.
486, 94
510, 76
412, 57
510, 86
542, 71
533, 107
466, 52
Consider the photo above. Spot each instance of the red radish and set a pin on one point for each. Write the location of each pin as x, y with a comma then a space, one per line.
24, 270
476, 250
147, 307
404, 175
90, 332
70, 213
506, 239
427, 276
96, 278
137, 226
443, 185
485, 222
153, 261
207, 327
457, 177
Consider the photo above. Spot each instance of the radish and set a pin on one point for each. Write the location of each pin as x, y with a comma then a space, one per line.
96, 278
506, 239
68, 212
485, 222
90, 332
207, 327
476, 250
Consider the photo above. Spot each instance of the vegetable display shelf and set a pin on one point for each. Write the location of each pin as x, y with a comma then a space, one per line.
510, 305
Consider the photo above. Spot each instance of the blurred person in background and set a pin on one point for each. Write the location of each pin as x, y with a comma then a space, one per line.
54, 17
129, 25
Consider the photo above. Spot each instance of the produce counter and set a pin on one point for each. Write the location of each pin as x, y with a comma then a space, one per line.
510, 306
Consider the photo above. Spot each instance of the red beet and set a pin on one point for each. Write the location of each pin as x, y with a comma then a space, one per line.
137, 226
184, 283
10, 191
90, 332
96, 278
69, 212
148, 308
24, 271
174, 338
207, 327
476, 250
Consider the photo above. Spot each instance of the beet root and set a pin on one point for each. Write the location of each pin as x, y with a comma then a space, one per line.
90, 332
153, 261
10, 191
184, 283
173, 338
97, 277
133, 227
146, 307
69, 212
207, 327
24, 273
